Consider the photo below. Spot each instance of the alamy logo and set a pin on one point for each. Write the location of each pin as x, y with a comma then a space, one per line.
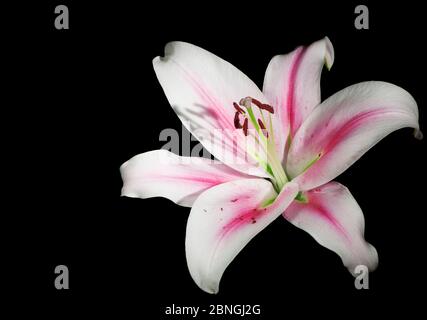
362, 20
62, 280
61, 21
362, 278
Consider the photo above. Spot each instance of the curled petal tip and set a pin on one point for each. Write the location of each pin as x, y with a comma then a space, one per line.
329, 53
211, 288
418, 134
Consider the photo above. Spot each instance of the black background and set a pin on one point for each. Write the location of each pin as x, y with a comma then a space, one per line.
87, 99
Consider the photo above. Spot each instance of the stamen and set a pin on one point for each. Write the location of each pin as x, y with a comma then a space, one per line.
259, 104
262, 126
247, 103
237, 124
266, 107
238, 109
256, 102
245, 127
271, 163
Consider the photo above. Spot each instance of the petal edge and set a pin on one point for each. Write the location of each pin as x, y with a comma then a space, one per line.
223, 220
334, 219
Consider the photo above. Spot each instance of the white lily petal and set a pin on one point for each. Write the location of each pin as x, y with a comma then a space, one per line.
161, 173
224, 219
292, 84
334, 219
340, 130
201, 88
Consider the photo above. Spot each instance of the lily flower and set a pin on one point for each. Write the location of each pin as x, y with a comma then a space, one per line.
281, 149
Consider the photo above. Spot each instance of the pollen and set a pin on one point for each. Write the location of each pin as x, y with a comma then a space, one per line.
262, 126
237, 124
257, 123
248, 115
238, 109
262, 106
245, 127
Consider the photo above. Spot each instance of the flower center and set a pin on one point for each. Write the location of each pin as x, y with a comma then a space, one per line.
263, 134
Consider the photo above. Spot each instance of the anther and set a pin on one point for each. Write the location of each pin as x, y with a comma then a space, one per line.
245, 127
237, 124
266, 107
246, 101
238, 109
256, 102
262, 126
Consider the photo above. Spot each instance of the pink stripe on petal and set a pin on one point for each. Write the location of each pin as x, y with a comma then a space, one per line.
290, 99
223, 117
328, 217
243, 218
344, 127
213, 107
334, 219
350, 126
189, 179
246, 216
224, 219
201, 88
292, 86
161, 173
